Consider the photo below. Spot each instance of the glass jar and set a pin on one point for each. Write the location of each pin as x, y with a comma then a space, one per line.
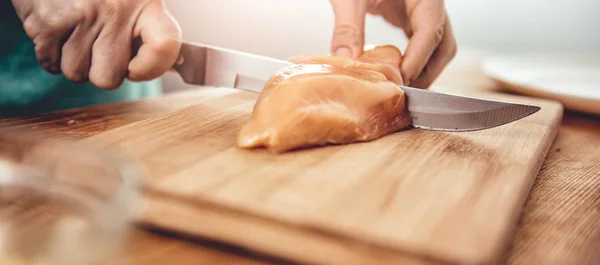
63, 202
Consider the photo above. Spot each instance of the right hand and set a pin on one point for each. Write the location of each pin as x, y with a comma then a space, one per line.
102, 41
431, 43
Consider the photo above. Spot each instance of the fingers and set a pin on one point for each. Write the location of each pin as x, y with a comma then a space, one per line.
23, 8
92, 40
440, 58
110, 56
348, 34
48, 37
427, 20
48, 53
161, 38
77, 54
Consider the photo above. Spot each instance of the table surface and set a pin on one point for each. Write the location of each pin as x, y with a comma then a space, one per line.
560, 223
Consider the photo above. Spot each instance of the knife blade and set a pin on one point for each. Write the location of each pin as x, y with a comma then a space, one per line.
205, 65
446, 112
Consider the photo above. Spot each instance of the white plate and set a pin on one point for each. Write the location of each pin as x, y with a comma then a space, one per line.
573, 80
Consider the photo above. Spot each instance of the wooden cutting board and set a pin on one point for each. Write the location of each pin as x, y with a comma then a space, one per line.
413, 197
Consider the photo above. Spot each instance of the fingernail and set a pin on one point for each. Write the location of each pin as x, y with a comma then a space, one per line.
344, 52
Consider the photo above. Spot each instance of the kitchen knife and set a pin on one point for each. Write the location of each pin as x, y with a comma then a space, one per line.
205, 65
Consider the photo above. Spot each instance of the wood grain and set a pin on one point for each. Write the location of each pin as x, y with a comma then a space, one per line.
448, 197
79, 123
148, 247
560, 223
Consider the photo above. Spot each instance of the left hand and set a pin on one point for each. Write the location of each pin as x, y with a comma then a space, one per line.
102, 41
425, 22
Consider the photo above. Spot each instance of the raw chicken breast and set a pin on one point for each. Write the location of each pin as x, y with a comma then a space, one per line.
329, 100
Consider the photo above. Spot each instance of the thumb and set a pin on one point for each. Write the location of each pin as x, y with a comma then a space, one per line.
349, 32
161, 37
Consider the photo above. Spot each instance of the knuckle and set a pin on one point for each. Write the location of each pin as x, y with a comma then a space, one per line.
46, 58
344, 29
114, 8
75, 75
347, 35
45, 62
347, 31
438, 34
80, 7
50, 67
50, 20
79, 78
166, 46
82, 11
65, 16
140, 77
107, 83
74, 70
31, 27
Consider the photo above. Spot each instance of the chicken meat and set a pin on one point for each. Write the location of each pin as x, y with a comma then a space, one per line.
325, 100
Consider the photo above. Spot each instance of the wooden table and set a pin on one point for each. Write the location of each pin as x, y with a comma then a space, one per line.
560, 223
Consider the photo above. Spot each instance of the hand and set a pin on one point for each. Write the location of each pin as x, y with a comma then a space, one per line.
102, 41
425, 22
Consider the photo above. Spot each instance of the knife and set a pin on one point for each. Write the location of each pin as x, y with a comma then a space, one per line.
205, 65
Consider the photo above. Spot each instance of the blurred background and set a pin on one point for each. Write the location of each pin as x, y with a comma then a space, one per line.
285, 28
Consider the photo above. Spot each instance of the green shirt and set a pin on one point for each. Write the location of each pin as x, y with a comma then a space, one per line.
27, 89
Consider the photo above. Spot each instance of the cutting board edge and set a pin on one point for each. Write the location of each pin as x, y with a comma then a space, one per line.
554, 127
354, 252
497, 251
492, 255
